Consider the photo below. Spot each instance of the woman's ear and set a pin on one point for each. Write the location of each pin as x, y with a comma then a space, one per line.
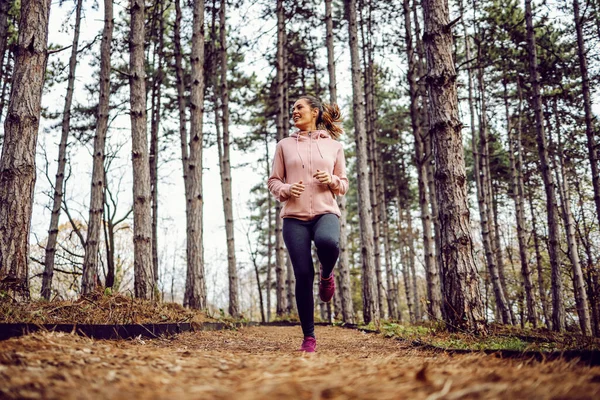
315, 112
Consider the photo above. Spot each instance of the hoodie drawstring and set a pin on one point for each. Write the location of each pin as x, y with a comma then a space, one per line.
298, 151
318, 148
298, 146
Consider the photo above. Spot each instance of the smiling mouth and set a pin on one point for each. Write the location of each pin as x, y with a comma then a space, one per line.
296, 118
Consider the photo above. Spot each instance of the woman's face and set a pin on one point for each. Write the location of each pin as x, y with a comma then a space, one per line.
304, 116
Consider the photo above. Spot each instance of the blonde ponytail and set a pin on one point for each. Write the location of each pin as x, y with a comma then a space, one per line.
331, 118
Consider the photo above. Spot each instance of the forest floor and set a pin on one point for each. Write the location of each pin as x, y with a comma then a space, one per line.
262, 363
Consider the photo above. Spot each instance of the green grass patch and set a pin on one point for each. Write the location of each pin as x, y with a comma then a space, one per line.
499, 338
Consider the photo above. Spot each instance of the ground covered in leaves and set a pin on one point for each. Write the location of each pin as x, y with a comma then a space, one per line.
261, 363
96, 308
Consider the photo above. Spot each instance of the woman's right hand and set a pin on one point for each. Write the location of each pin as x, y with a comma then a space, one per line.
296, 189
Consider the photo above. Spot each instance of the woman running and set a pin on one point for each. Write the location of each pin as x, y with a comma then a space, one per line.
309, 170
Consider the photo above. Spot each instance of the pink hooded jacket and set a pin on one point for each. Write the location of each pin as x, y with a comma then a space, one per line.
297, 158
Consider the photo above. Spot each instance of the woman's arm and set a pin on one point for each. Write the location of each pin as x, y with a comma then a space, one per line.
276, 182
339, 180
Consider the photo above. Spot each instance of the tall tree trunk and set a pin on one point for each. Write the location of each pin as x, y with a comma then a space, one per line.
434, 302
269, 234
62, 161
6, 79
370, 305
558, 311
412, 265
590, 270
195, 285
518, 194
581, 300
234, 307
154, 131
371, 140
462, 298
485, 202
181, 103
17, 164
392, 293
4, 8
345, 294
281, 115
538, 258
142, 223
587, 106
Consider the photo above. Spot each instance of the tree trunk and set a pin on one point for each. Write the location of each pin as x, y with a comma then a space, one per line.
17, 164
462, 298
155, 118
142, 223
581, 300
558, 312
583, 231
485, 202
538, 258
234, 307
370, 305
434, 302
392, 294
4, 8
518, 194
281, 115
371, 139
269, 235
62, 161
587, 106
195, 285
344, 287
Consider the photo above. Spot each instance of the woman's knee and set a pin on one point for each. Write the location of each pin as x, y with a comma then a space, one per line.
304, 277
327, 243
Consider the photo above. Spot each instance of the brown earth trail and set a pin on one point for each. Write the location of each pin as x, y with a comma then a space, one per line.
261, 363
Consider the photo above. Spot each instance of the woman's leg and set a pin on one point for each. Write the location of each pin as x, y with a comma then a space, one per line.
327, 240
297, 238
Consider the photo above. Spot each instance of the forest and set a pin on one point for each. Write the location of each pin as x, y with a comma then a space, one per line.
138, 137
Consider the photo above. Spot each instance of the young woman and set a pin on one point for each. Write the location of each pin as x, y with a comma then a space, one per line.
309, 170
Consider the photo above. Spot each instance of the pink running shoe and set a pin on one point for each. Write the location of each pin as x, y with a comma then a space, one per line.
309, 345
326, 287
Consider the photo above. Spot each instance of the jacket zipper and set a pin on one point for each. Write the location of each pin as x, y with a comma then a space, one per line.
310, 168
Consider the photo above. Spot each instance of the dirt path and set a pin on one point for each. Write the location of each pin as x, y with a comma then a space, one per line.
260, 363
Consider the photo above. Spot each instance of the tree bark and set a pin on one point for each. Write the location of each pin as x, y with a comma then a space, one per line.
269, 235
281, 115
155, 120
370, 305
195, 285
558, 312
234, 307
142, 223
462, 298
17, 164
434, 304
392, 292
62, 159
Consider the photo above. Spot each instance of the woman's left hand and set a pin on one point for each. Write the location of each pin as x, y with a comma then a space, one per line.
323, 176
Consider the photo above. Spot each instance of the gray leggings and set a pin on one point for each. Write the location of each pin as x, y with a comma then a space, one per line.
324, 230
